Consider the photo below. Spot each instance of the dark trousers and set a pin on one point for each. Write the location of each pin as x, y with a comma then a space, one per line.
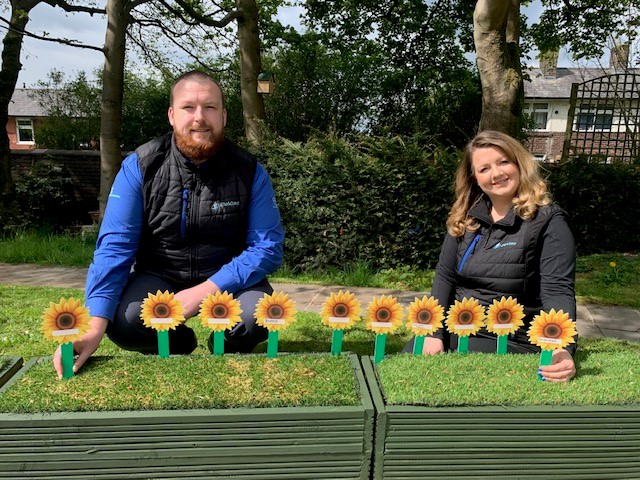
483, 343
128, 331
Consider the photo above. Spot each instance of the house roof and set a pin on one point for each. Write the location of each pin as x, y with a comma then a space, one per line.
559, 86
24, 104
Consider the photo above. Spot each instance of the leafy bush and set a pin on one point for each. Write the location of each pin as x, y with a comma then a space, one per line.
46, 196
603, 202
381, 200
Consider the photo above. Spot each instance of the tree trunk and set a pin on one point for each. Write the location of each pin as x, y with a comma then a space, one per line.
112, 92
12, 46
496, 35
250, 66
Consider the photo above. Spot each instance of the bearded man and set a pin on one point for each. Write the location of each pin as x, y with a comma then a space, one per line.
191, 213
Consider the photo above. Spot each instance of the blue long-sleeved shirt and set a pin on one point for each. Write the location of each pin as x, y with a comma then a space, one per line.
121, 228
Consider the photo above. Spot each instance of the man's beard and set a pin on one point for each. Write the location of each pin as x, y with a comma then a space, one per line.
198, 150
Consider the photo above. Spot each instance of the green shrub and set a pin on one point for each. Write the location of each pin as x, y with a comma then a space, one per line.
380, 200
602, 201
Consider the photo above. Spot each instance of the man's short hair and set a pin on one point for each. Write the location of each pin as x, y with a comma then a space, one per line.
196, 76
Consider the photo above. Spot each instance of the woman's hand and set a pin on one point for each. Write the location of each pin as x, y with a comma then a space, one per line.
432, 346
562, 368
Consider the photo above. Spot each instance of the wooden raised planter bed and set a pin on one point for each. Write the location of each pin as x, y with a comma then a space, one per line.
9, 366
313, 442
414, 441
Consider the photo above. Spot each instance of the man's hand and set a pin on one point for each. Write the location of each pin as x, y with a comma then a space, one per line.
562, 368
432, 346
191, 298
84, 347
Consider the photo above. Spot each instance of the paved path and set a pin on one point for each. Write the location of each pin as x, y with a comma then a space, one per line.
593, 320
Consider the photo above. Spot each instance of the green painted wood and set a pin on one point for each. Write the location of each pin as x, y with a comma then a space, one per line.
9, 367
294, 443
568, 442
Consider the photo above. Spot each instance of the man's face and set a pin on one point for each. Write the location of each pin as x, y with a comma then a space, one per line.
198, 118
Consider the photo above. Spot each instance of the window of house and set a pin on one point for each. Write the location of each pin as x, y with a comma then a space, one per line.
24, 128
539, 113
590, 119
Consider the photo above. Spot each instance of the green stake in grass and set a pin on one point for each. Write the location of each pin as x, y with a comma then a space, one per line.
463, 344
336, 342
272, 344
218, 342
502, 344
66, 352
378, 353
418, 345
163, 343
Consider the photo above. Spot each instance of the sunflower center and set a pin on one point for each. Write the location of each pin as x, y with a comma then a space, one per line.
65, 321
465, 317
383, 314
551, 331
504, 316
275, 311
340, 310
161, 310
220, 311
424, 316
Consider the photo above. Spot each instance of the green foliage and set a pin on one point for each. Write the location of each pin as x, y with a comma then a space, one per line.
46, 196
379, 200
597, 281
603, 202
73, 113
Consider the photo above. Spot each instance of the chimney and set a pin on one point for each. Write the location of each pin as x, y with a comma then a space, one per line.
549, 63
619, 59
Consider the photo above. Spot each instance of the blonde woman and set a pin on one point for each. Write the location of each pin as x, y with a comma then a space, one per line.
505, 238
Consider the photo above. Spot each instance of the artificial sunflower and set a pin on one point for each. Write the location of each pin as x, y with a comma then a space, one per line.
220, 311
161, 311
425, 315
341, 311
505, 316
65, 321
384, 314
552, 330
466, 317
275, 311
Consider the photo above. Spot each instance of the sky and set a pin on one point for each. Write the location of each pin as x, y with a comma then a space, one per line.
40, 57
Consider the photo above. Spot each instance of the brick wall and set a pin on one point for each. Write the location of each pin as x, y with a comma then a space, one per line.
85, 172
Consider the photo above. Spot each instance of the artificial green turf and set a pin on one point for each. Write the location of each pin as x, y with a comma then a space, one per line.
186, 382
608, 373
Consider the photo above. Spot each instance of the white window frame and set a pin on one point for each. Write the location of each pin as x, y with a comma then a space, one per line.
538, 108
25, 127
596, 121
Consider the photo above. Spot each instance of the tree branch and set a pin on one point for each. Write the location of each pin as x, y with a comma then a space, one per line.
63, 41
75, 8
206, 19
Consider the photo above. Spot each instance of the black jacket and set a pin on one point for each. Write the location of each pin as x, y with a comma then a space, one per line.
530, 260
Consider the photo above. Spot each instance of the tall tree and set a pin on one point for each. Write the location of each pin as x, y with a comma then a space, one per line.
12, 47
496, 34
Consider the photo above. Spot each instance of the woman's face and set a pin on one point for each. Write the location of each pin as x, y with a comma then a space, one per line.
495, 173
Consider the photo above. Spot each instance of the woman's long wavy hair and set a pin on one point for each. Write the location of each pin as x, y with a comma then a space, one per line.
530, 194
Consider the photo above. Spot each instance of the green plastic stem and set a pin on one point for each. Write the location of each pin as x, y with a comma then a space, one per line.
546, 356
336, 342
218, 342
272, 344
502, 344
163, 343
66, 351
381, 341
418, 345
463, 344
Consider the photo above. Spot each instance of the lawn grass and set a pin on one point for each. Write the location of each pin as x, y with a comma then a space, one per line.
186, 382
596, 281
608, 373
